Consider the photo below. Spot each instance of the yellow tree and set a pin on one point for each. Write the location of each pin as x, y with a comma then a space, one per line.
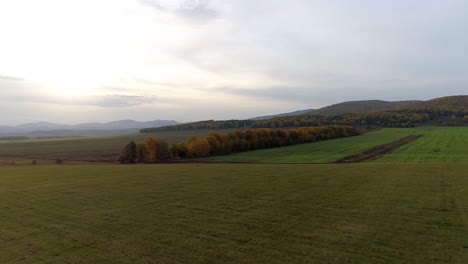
152, 147
199, 148
215, 146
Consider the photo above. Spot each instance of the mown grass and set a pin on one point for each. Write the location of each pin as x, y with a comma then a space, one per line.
218, 213
85, 149
319, 152
441, 144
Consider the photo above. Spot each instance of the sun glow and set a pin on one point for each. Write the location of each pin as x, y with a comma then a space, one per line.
119, 43
71, 56
75, 79
70, 89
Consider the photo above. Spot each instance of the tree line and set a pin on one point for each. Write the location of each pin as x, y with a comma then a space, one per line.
154, 150
381, 119
443, 106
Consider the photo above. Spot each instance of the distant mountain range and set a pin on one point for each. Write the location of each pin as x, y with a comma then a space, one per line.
443, 106
46, 129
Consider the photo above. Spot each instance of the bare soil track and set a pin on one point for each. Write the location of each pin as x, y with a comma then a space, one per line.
378, 151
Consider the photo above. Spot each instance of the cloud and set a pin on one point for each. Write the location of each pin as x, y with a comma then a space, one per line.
10, 78
116, 100
226, 56
154, 4
152, 83
190, 9
105, 101
197, 9
285, 94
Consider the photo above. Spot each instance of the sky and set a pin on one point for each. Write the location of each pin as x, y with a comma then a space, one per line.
102, 60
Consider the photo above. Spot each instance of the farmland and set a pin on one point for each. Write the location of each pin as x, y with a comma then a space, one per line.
443, 144
408, 206
249, 213
96, 149
436, 144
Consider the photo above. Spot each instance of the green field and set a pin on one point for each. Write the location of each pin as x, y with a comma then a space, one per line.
437, 144
441, 144
86, 149
357, 213
395, 210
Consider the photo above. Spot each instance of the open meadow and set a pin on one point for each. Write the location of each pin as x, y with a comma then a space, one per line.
249, 213
436, 144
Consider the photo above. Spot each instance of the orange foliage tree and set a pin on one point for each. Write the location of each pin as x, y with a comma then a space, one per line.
152, 147
199, 148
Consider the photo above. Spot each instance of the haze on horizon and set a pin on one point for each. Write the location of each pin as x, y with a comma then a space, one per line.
85, 61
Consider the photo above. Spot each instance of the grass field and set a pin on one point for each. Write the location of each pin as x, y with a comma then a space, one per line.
85, 149
441, 144
218, 213
319, 152
437, 144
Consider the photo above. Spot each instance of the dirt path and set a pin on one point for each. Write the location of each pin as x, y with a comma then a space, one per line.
378, 151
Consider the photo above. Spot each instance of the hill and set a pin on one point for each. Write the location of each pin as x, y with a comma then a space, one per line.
443, 106
295, 113
351, 107
356, 107
358, 113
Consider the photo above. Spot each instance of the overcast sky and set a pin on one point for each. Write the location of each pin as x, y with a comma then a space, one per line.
102, 60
